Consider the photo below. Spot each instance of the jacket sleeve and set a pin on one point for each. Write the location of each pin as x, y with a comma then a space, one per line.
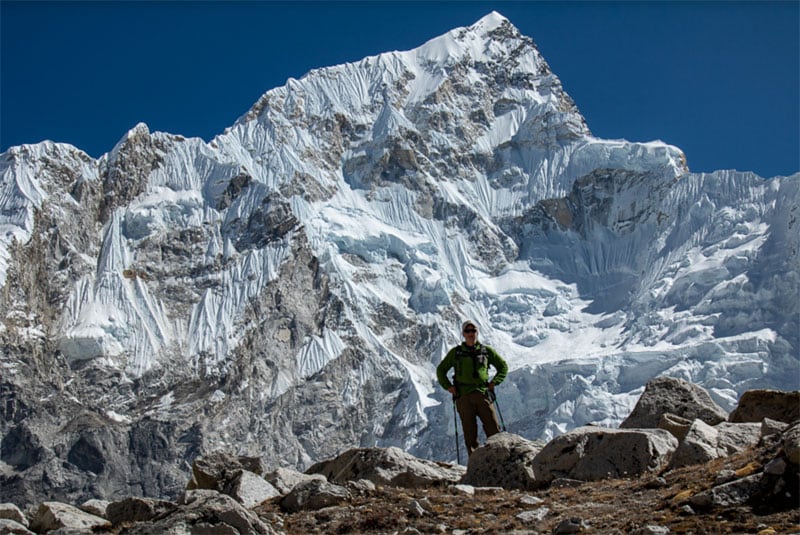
500, 366
443, 368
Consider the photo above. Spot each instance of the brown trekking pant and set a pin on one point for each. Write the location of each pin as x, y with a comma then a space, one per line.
472, 405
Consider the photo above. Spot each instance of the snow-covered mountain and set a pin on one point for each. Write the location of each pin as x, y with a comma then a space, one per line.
287, 289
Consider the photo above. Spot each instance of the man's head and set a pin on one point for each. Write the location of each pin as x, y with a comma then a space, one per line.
469, 330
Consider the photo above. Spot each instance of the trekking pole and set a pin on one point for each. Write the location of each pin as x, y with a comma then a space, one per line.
493, 397
455, 426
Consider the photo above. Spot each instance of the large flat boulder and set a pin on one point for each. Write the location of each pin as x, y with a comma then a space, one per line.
55, 515
387, 466
136, 509
592, 453
675, 396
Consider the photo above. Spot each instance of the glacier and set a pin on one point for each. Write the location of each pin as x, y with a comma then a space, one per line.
287, 288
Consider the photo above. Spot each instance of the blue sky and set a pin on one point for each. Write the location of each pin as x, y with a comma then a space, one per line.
720, 80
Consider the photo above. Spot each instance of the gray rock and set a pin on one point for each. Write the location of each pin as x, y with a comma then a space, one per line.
592, 453
569, 525
790, 440
770, 427
676, 396
12, 512
136, 509
724, 476
386, 466
534, 515
704, 443
12, 527
506, 460
755, 405
530, 500
284, 479
55, 515
95, 507
700, 445
362, 486
469, 490
205, 511
250, 489
312, 495
218, 469
736, 492
651, 529
776, 467
675, 424
736, 437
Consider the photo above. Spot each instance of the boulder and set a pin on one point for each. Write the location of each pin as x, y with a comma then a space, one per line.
313, 495
675, 424
506, 460
790, 441
591, 453
704, 443
736, 492
772, 428
676, 396
755, 405
55, 515
216, 470
135, 509
12, 512
734, 438
250, 489
284, 479
387, 466
95, 507
205, 511
698, 446
12, 527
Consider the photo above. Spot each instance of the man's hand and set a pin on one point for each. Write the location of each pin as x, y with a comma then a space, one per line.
490, 386
452, 391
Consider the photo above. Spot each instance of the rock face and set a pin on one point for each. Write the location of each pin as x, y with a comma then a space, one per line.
305, 271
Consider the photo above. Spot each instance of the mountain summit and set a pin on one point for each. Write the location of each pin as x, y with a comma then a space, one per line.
287, 289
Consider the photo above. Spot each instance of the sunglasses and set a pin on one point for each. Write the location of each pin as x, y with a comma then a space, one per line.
467, 331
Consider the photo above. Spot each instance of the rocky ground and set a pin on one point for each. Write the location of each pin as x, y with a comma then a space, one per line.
610, 506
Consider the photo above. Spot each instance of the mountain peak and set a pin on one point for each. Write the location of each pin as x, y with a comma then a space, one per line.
489, 22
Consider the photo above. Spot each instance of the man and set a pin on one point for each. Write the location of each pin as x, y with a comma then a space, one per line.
471, 384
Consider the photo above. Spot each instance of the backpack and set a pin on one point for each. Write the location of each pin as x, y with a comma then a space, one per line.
479, 359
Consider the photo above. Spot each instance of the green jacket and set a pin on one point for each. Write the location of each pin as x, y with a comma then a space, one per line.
471, 366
